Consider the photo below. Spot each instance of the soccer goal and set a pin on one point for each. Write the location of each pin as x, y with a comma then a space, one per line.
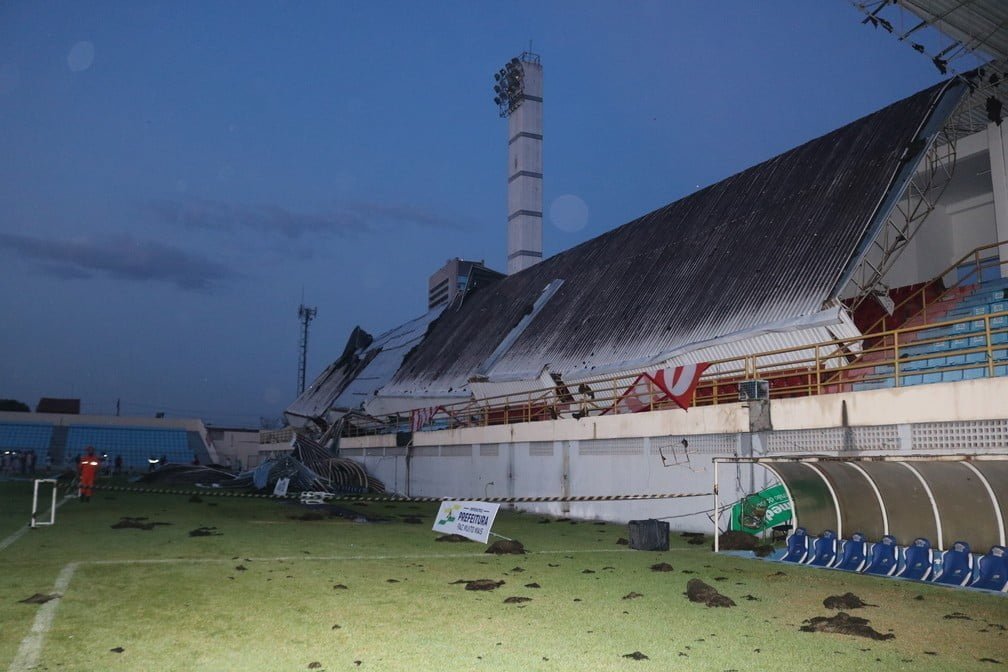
35, 522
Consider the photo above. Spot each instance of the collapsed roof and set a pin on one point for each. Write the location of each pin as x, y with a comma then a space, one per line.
759, 256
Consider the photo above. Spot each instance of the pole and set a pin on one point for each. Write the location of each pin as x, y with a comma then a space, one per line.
716, 505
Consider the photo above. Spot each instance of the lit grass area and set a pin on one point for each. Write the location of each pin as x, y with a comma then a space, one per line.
176, 602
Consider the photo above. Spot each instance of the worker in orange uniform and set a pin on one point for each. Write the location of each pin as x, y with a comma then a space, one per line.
87, 470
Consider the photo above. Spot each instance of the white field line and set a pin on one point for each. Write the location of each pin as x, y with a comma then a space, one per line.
21, 531
31, 646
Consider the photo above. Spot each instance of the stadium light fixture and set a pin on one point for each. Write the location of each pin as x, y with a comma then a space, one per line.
510, 87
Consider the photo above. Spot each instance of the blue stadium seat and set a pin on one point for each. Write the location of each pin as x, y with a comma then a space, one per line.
918, 560
853, 555
993, 570
797, 546
956, 565
824, 549
884, 557
134, 444
25, 436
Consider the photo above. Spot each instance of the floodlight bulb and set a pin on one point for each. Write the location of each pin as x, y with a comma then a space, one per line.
515, 60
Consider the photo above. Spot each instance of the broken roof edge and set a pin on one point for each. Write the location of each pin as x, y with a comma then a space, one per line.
947, 98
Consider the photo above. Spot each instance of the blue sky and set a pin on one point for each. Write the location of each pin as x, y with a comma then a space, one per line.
174, 174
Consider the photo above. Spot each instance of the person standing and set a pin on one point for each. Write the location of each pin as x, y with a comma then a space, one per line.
87, 470
118, 465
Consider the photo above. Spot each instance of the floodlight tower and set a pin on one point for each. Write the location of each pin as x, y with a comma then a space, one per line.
306, 315
518, 95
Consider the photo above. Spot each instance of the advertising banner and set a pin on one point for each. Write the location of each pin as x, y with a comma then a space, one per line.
761, 511
472, 520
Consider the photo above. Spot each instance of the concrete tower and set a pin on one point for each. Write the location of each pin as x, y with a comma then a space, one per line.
519, 98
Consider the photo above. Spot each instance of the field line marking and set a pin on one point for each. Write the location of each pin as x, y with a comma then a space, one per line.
31, 646
21, 531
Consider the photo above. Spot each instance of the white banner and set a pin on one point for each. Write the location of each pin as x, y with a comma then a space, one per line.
472, 520
280, 489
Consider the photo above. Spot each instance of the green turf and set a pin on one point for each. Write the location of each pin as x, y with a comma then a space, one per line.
175, 602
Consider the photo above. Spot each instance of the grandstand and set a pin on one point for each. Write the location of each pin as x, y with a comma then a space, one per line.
62, 437
846, 298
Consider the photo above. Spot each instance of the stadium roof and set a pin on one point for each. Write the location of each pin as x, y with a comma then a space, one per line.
979, 25
765, 249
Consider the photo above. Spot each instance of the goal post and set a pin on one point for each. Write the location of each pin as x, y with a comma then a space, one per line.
35, 522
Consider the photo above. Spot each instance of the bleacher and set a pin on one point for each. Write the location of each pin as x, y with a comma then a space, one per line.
62, 443
957, 347
134, 444
25, 436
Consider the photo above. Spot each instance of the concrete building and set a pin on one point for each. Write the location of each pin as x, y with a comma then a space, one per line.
456, 277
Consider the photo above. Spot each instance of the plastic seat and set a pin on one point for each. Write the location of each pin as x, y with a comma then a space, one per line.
956, 565
797, 546
824, 549
993, 570
918, 560
854, 554
884, 556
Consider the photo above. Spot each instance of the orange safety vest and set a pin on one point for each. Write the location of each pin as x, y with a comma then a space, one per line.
88, 467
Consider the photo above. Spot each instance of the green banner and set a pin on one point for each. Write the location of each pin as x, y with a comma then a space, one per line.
761, 511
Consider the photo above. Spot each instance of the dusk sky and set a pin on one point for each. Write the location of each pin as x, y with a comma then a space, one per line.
174, 174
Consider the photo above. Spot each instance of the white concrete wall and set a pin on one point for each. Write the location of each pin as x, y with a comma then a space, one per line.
620, 454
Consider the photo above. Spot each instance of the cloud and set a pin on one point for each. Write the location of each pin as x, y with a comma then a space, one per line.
118, 256
347, 220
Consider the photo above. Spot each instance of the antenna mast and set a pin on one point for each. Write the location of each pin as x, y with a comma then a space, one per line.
305, 315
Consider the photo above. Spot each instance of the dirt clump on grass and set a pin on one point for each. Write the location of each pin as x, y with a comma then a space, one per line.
632, 596
698, 591
845, 601
205, 532
309, 516
117, 649
506, 547
622, 541
661, 567
844, 624
453, 538
39, 598
517, 599
734, 540
483, 584
636, 655
140, 523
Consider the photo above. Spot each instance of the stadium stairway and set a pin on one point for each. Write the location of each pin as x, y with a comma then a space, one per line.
952, 352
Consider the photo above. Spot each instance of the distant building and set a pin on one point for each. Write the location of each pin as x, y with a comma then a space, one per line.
53, 405
456, 277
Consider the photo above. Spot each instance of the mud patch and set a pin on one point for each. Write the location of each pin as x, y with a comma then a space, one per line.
661, 567
483, 584
700, 592
636, 655
532, 585
453, 538
845, 601
205, 532
632, 596
517, 599
141, 523
506, 547
844, 624
39, 598
957, 616
734, 540
117, 649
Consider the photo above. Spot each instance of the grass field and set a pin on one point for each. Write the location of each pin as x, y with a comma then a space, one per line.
262, 595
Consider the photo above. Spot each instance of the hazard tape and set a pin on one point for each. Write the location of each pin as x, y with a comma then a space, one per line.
322, 497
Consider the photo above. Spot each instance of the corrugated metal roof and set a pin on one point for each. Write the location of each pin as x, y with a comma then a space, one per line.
354, 378
979, 24
763, 246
